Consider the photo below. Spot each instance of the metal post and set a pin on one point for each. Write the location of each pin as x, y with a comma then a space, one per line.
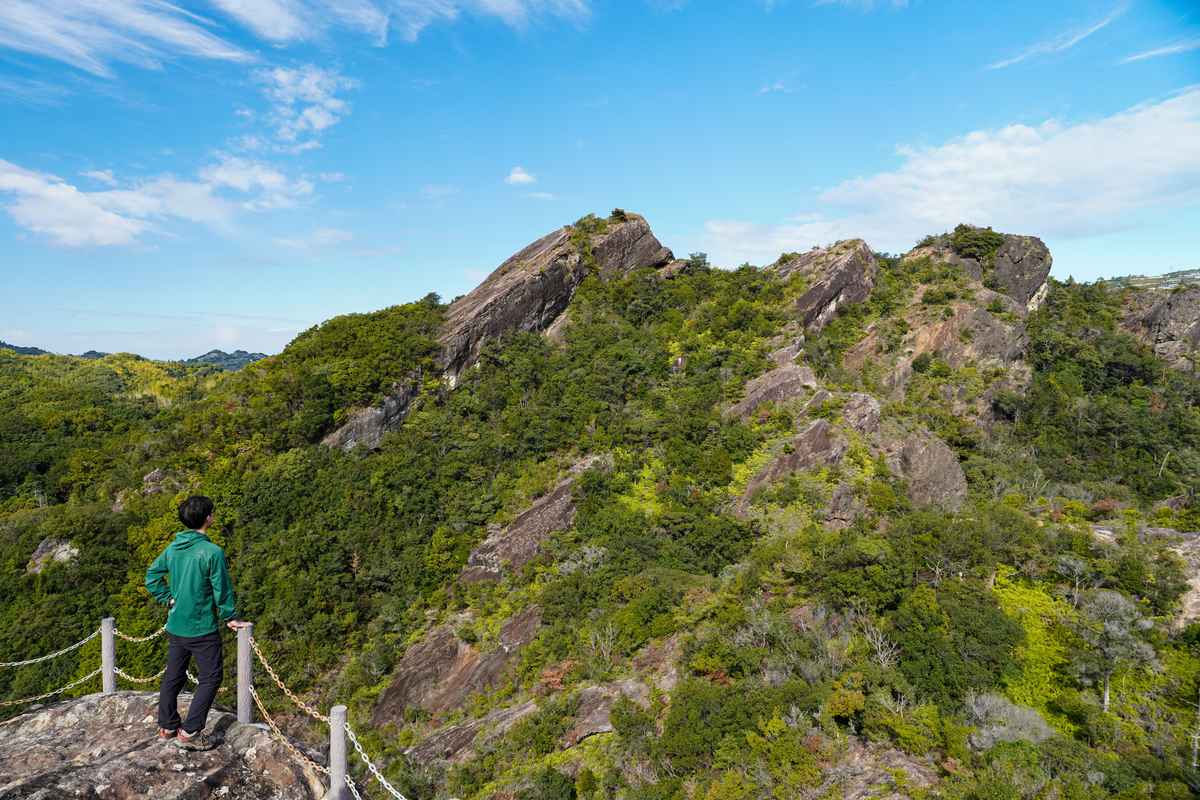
244, 709
337, 753
108, 654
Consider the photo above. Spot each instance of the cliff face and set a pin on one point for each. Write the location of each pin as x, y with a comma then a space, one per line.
104, 747
528, 292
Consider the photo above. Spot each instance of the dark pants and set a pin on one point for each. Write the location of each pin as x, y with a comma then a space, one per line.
181, 649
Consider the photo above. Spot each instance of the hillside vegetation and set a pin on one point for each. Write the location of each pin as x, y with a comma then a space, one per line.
923, 545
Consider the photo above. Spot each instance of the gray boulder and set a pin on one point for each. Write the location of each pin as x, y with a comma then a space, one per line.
837, 276
51, 551
932, 471
779, 385
1021, 266
1172, 327
818, 445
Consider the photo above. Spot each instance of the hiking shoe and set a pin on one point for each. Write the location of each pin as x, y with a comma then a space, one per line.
194, 741
167, 733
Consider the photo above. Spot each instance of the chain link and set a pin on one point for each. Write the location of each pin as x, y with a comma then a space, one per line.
295, 751
129, 677
40, 659
70, 685
353, 788
392, 790
129, 638
305, 707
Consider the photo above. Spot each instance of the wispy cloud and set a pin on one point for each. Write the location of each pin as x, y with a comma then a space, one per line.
520, 177
540, 195
1052, 179
778, 87
127, 211
104, 176
90, 35
1166, 50
1064, 41
32, 92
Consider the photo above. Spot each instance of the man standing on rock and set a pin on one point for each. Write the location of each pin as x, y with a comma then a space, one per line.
190, 577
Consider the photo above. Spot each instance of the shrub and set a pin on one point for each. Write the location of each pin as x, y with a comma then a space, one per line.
980, 244
999, 720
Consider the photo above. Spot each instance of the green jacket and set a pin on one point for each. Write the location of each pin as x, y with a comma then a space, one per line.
199, 585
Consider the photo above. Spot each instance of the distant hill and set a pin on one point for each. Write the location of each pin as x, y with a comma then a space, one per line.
23, 351
230, 362
1168, 281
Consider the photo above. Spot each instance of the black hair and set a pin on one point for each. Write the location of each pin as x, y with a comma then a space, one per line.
194, 511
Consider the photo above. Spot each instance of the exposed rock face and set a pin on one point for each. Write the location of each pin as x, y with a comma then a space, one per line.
862, 412
104, 747
818, 445
367, 426
1172, 327
514, 546
593, 714
780, 384
1019, 269
454, 742
57, 551
528, 292
931, 468
441, 671
838, 276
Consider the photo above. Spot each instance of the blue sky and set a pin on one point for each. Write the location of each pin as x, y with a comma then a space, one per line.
177, 177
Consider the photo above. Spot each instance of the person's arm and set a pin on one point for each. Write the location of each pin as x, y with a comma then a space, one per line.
155, 580
222, 588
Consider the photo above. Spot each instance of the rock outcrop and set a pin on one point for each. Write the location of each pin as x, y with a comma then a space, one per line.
783, 383
1019, 266
931, 468
840, 275
528, 292
1171, 325
51, 551
104, 747
441, 671
818, 445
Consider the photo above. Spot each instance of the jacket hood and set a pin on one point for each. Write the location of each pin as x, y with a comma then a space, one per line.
185, 540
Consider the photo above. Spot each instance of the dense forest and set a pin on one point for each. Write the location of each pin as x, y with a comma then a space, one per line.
1024, 641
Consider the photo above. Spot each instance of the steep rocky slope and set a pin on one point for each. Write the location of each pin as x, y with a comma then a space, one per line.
528, 292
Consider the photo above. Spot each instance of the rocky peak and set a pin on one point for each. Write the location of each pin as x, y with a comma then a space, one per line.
104, 747
528, 292
1169, 320
839, 275
1010, 263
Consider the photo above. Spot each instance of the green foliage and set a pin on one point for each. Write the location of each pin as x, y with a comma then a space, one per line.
980, 244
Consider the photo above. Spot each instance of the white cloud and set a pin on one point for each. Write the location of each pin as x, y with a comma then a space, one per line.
1167, 50
101, 175
90, 34
1064, 41
1053, 179
332, 177
519, 177
305, 102
32, 92
776, 87
122, 215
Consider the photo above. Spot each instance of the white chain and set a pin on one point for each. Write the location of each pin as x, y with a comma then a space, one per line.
129, 677
40, 659
129, 638
349, 782
295, 751
70, 685
305, 707
392, 790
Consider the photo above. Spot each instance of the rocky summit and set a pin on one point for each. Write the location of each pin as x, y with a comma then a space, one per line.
620, 526
105, 747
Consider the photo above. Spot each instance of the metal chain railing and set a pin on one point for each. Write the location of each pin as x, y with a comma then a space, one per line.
305, 707
392, 790
295, 751
40, 659
129, 638
131, 678
353, 788
71, 685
